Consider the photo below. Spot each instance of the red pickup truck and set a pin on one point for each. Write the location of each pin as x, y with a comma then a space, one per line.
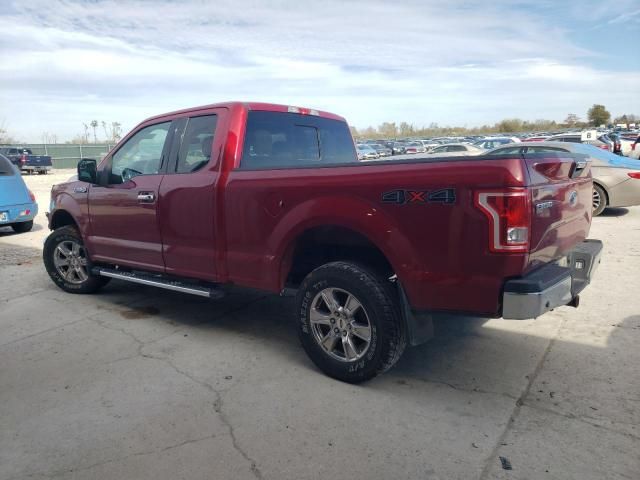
274, 197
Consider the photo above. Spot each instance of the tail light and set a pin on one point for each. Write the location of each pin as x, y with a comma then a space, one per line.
32, 196
635, 175
604, 146
509, 215
23, 159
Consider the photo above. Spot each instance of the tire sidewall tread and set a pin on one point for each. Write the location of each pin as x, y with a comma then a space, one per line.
92, 284
388, 338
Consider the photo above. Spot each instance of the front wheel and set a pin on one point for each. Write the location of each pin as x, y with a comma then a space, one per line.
67, 262
599, 200
349, 322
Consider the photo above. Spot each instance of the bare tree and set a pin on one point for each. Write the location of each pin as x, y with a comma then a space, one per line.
4, 134
94, 125
86, 133
116, 131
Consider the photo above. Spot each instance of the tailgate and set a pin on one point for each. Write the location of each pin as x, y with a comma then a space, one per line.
38, 160
561, 189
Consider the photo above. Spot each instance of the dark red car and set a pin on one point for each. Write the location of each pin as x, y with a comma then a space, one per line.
269, 196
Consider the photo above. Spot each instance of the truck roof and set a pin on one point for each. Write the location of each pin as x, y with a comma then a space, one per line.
271, 107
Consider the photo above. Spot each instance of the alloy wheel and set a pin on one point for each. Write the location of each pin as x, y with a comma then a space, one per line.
340, 324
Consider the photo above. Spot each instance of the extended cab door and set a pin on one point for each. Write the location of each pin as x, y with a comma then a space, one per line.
123, 208
188, 196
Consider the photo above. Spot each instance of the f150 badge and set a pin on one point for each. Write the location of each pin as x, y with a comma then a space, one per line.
445, 196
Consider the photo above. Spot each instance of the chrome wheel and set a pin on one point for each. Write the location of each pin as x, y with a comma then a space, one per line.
596, 199
70, 261
340, 324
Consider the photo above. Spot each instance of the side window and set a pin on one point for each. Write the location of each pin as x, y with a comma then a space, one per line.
278, 140
140, 155
195, 149
457, 148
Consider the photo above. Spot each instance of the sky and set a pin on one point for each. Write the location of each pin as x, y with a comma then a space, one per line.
455, 62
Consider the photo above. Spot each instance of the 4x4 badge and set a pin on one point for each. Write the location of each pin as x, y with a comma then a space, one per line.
401, 197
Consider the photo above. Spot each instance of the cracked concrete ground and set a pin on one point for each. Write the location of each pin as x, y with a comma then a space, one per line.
138, 383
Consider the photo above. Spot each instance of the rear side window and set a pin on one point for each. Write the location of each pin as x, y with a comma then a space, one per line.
281, 140
195, 149
6, 167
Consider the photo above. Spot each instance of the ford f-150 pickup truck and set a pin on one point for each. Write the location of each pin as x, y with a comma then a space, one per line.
24, 159
273, 197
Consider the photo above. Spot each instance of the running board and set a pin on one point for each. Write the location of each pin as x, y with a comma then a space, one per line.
160, 282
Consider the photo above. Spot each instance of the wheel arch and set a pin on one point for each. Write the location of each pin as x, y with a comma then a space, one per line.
321, 244
62, 218
604, 189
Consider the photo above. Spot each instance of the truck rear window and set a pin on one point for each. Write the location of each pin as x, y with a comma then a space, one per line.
290, 140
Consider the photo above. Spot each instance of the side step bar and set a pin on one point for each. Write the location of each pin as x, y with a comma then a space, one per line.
161, 282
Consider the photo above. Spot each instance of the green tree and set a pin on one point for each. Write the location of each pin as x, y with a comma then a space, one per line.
598, 115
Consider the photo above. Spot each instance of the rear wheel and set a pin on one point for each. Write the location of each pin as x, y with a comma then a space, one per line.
67, 262
599, 200
22, 227
349, 322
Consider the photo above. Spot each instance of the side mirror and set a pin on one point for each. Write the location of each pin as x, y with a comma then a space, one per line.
88, 170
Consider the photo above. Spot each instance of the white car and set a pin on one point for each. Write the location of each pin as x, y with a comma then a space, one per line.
456, 150
495, 142
366, 152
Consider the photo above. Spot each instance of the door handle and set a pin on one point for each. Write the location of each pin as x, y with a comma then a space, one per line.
146, 197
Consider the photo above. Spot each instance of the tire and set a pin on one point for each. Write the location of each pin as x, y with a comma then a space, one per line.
599, 200
68, 264
22, 227
342, 327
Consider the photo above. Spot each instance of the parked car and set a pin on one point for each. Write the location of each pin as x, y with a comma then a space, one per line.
24, 159
18, 206
494, 142
271, 196
616, 180
398, 148
415, 147
366, 152
535, 139
601, 140
382, 150
614, 142
456, 150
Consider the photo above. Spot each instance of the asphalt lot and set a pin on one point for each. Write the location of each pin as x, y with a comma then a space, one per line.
139, 383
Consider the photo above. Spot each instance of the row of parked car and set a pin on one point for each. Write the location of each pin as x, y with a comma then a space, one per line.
620, 143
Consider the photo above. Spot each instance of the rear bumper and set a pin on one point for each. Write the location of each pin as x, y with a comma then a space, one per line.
36, 168
552, 285
13, 213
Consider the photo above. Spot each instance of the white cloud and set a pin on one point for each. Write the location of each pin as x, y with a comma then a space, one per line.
459, 62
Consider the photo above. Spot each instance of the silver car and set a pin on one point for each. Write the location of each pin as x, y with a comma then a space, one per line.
616, 179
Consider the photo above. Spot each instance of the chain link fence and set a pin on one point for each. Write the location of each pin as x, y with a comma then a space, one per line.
67, 155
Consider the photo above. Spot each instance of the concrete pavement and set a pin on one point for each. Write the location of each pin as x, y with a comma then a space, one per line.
142, 383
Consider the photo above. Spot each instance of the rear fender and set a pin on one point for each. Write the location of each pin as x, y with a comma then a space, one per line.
355, 214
